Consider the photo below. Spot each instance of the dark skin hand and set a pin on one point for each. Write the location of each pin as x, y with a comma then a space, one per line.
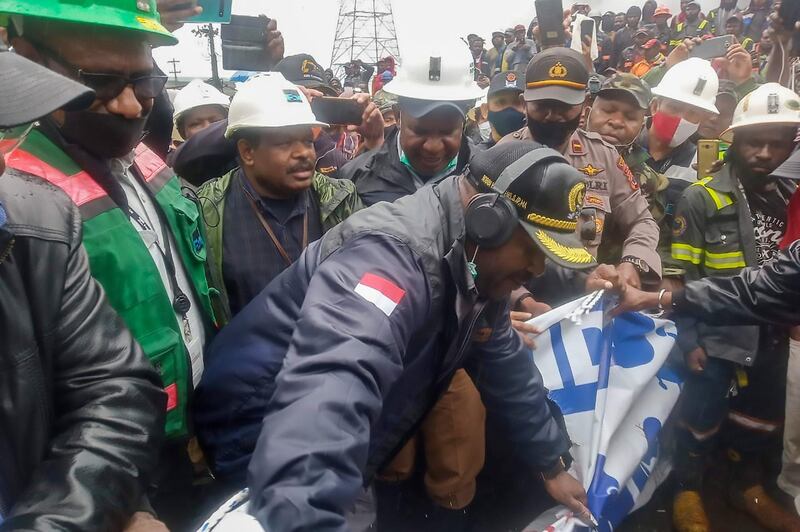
275, 46
174, 12
634, 300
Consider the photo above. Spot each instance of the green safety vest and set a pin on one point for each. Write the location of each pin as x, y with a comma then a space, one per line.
122, 264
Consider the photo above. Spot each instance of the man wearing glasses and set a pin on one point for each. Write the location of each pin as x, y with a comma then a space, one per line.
143, 237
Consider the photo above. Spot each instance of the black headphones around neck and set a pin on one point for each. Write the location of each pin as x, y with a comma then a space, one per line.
491, 217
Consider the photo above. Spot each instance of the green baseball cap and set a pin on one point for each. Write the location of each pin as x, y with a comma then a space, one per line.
623, 82
134, 15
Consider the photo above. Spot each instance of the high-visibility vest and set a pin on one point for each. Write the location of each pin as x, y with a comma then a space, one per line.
122, 264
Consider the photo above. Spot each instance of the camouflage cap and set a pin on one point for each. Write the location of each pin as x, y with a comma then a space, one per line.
628, 84
384, 100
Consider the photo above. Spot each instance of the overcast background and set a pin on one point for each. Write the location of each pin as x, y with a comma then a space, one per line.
309, 25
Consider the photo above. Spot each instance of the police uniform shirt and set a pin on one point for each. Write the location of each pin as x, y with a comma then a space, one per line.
612, 191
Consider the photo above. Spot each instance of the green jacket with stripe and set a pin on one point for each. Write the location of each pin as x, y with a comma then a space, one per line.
713, 236
337, 200
122, 264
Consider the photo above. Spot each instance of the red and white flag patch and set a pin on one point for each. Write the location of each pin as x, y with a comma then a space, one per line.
381, 292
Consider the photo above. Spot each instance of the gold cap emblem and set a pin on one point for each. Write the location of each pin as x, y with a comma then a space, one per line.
558, 71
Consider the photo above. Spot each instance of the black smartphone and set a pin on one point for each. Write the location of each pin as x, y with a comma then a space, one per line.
711, 48
337, 111
550, 15
243, 44
587, 29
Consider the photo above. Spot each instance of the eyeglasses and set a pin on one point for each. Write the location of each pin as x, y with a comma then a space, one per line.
109, 86
12, 138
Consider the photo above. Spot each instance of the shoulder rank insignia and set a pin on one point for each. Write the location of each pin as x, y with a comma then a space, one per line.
577, 147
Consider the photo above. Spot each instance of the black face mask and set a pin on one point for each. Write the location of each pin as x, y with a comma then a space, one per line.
506, 121
553, 134
106, 136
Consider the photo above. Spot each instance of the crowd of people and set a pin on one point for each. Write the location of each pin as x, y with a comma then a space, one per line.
202, 293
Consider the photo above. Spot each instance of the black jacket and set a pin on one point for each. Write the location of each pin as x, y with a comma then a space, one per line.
380, 176
81, 408
756, 295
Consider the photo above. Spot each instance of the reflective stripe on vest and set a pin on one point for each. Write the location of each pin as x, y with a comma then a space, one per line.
687, 253
721, 200
724, 261
84, 191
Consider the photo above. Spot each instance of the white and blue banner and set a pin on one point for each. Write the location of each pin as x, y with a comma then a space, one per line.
609, 379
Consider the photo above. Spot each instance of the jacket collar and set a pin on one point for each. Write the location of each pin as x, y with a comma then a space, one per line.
724, 180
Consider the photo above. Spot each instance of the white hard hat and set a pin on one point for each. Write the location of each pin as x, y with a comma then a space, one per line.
269, 100
197, 94
693, 82
442, 71
771, 103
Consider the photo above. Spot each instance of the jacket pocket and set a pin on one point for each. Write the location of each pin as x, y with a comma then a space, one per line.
723, 250
189, 228
164, 347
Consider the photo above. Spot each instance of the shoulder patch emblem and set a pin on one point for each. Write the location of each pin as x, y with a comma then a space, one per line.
678, 226
594, 200
634, 184
590, 170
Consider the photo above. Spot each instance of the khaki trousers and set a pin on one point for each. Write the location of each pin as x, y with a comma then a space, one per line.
452, 439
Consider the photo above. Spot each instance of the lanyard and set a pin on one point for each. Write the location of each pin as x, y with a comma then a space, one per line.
180, 302
269, 230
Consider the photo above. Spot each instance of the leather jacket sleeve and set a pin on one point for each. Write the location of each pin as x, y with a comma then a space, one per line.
756, 295
107, 415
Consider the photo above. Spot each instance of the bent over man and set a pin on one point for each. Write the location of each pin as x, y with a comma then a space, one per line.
361, 335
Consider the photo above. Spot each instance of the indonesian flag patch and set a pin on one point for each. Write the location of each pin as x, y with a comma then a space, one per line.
381, 292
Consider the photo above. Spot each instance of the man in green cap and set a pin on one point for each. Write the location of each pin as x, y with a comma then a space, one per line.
618, 115
143, 237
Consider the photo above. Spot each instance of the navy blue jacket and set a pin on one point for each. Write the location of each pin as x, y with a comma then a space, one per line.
344, 372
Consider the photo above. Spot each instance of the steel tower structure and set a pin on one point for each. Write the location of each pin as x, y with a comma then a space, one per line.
365, 30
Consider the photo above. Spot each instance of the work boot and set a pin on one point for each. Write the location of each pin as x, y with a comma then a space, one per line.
764, 509
688, 513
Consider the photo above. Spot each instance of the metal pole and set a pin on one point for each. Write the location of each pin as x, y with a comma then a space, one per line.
375, 25
353, 38
213, 52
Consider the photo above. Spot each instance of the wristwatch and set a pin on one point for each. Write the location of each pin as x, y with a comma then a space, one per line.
554, 471
640, 265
